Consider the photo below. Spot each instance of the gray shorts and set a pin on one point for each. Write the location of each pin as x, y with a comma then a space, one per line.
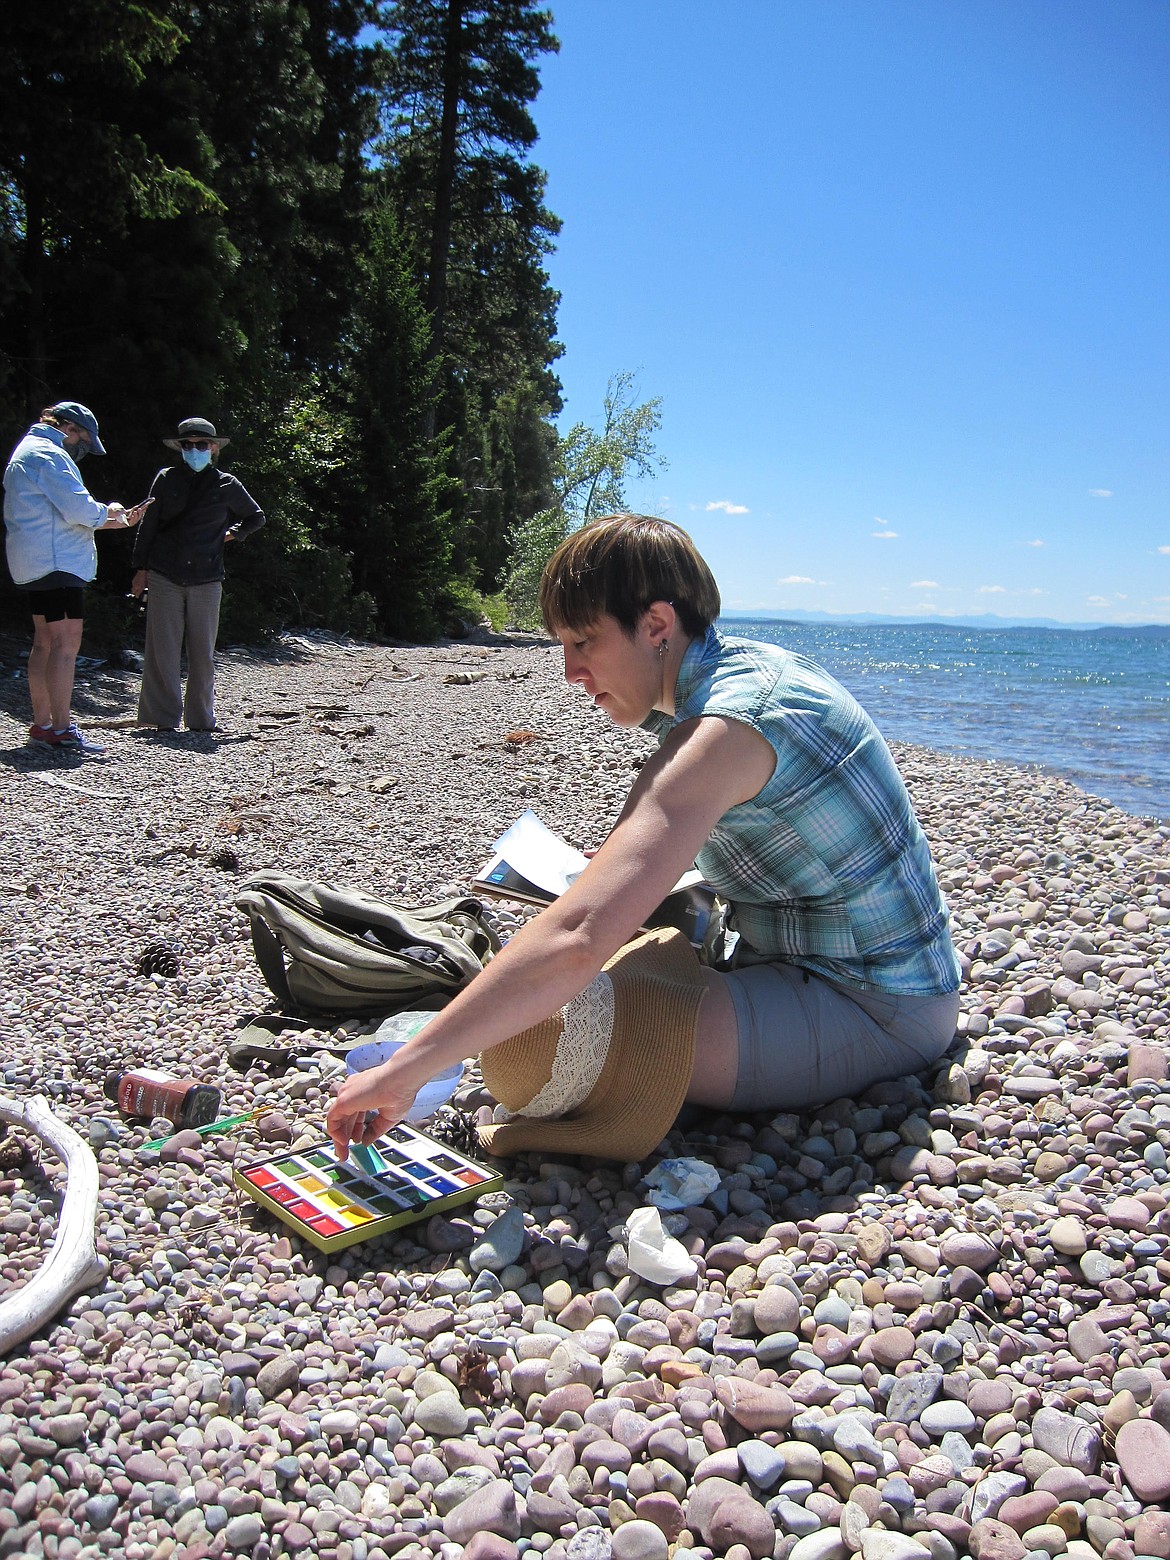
804, 1041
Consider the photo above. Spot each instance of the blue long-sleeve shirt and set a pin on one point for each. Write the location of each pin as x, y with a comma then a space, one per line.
49, 514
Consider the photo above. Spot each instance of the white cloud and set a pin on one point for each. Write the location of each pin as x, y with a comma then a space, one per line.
728, 507
1097, 601
796, 579
1036, 543
925, 585
993, 590
1164, 549
884, 535
1100, 492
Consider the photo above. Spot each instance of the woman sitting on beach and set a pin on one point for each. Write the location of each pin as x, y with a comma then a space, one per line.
773, 780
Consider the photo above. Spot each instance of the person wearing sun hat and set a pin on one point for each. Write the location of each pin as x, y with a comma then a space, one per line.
179, 567
50, 519
836, 969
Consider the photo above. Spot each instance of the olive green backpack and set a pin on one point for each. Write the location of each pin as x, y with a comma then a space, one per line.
339, 950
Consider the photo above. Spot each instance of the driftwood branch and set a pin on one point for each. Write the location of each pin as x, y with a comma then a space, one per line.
72, 1263
70, 785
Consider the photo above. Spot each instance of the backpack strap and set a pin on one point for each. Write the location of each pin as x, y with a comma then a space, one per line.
270, 958
258, 1040
270, 1038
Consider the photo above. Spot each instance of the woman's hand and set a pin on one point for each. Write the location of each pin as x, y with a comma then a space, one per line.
368, 1104
119, 518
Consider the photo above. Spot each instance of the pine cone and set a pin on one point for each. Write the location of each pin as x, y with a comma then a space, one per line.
158, 958
456, 1128
225, 859
14, 1152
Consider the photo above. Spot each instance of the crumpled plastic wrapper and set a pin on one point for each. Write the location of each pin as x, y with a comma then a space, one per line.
653, 1254
681, 1183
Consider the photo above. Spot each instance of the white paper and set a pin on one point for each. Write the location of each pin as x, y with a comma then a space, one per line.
530, 848
550, 863
653, 1254
688, 880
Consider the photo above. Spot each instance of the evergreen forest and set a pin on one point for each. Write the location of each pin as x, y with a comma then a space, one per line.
317, 223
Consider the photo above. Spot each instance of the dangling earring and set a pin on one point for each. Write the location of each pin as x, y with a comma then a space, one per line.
663, 647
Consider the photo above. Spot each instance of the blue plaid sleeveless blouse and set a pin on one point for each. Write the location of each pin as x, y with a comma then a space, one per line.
827, 868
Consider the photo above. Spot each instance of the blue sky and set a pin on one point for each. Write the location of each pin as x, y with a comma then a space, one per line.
900, 273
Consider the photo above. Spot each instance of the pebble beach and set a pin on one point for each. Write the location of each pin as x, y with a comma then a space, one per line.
933, 1320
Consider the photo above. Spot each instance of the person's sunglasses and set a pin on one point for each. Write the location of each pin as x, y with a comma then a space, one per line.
195, 444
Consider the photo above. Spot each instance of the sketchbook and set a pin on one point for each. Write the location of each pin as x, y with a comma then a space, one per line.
534, 866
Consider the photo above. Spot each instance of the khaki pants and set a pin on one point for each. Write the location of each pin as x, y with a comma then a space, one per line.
172, 612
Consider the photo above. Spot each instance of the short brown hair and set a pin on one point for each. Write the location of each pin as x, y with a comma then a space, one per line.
619, 565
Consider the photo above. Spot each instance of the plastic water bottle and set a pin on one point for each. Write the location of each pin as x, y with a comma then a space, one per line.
391, 1036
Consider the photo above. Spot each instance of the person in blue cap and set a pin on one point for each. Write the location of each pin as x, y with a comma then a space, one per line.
50, 519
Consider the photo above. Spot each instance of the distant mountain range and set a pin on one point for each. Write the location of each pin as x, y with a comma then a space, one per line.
983, 620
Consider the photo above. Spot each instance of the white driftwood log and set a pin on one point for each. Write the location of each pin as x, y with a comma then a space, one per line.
72, 1263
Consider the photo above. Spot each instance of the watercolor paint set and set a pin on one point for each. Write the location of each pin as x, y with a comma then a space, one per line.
399, 1178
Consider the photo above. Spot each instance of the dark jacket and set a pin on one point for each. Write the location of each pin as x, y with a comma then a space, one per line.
182, 533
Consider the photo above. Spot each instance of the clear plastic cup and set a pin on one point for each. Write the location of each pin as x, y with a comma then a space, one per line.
391, 1036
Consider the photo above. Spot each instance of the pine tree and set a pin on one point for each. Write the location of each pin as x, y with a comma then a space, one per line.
457, 130
281, 89
81, 168
391, 491
185, 228
108, 232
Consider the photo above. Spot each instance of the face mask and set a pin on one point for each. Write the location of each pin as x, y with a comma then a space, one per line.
197, 459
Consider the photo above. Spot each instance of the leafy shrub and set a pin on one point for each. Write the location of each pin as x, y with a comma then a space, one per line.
533, 543
462, 608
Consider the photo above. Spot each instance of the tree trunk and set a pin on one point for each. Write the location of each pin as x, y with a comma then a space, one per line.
444, 190
36, 355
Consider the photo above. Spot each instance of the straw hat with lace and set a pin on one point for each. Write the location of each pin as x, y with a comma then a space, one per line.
608, 1074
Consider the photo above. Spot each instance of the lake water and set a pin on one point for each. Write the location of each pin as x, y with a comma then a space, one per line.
1092, 705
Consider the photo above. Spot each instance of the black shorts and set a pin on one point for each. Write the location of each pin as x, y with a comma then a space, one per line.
58, 602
